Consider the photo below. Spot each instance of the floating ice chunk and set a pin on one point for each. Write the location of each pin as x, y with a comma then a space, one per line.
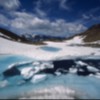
10, 66
42, 65
81, 70
27, 72
92, 69
91, 75
97, 75
73, 70
36, 63
81, 63
37, 78
19, 64
58, 73
46, 65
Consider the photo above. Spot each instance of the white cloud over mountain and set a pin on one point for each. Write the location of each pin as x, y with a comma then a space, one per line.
22, 22
32, 23
27, 22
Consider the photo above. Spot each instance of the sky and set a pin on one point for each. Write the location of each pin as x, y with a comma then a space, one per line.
50, 17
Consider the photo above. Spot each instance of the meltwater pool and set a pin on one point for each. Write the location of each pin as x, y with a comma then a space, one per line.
50, 48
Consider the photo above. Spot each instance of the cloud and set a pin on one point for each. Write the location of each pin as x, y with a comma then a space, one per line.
84, 16
90, 17
64, 5
94, 10
10, 4
38, 10
91, 14
40, 13
27, 22
4, 21
24, 22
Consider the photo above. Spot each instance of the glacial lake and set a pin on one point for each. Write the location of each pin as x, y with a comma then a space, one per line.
50, 49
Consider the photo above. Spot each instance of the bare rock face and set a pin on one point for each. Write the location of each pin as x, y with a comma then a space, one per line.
90, 37
92, 34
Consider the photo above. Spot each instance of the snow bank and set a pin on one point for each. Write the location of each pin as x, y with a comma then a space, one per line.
33, 51
76, 40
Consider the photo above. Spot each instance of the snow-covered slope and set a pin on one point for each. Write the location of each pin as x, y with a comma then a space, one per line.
90, 36
76, 40
11, 47
79, 40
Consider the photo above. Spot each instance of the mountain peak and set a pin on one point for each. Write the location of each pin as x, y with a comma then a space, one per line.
92, 34
90, 37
